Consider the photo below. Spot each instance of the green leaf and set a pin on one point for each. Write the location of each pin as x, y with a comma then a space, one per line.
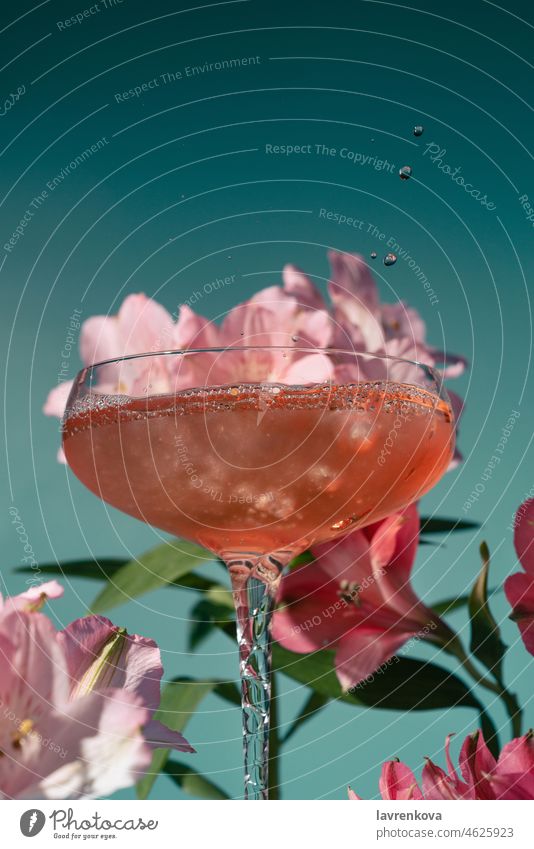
191, 782
486, 643
157, 567
435, 525
447, 605
195, 582
403, 684
106, 567
220, 596
179, 701
313, 704
205, 616
97, 570
228, 691
489, 731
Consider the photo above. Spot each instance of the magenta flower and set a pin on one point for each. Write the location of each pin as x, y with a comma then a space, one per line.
482, 777
356, 597
519, 588
293, 315
76, 706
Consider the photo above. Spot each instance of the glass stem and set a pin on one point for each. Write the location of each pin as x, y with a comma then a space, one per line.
254, 585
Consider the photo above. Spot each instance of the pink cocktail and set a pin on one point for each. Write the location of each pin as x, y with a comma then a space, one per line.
258, 471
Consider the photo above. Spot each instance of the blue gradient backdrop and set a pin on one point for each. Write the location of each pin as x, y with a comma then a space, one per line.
183, 190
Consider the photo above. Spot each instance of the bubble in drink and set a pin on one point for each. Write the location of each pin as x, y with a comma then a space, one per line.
390, 259
418, 130
405, 172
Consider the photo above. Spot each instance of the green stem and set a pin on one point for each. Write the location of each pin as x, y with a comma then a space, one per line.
454, 646
274, 743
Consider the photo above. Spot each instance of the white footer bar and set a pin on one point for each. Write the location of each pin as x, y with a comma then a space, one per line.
237, 825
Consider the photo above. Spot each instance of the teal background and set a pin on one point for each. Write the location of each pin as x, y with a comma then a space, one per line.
184, 192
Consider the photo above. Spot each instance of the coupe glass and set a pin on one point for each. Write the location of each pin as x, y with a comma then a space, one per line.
257, 453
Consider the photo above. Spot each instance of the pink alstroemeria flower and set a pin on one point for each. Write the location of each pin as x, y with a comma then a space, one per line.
356, 597
294, 315
32, 599
519, 588
482, 777
76, 706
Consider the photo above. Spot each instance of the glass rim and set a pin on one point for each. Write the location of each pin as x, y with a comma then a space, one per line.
274, 348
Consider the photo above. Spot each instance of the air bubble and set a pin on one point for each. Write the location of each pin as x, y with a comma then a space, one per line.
390, 259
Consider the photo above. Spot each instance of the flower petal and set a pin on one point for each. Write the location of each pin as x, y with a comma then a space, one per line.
161, 737
143, 325
100, 339
95, 748
437, 785
517, 756
524, 535
397, 782
135, 667
33, 599
313, 615
299, 285
519, 589
195, 331
312, 368
476, 764
363, 651
57, 399
33, 669
393, 548
400, 320
355, 298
